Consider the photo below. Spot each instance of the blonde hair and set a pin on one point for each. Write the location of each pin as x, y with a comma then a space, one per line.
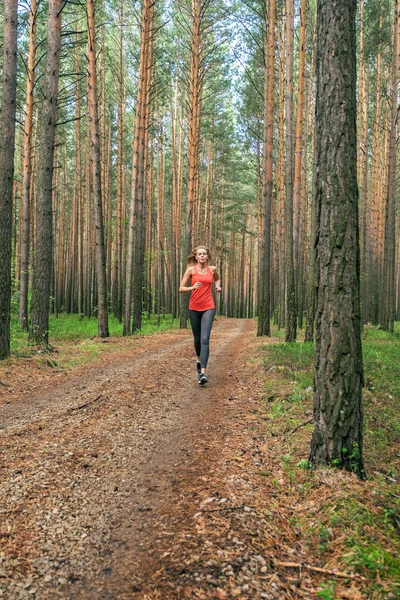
191, 261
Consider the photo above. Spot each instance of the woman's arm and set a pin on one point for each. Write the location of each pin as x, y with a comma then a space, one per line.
185, 288
217, 280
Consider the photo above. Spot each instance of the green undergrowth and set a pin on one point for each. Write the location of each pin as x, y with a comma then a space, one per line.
75, 338
355, 524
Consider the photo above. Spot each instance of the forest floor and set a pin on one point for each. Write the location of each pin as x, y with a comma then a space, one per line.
123, 479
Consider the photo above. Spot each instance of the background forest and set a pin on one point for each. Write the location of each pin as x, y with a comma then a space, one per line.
180, 123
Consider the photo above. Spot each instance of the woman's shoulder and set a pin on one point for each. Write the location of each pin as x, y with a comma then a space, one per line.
212, 268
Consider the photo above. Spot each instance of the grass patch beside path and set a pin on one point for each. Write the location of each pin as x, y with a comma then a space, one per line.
339, 521
75, 338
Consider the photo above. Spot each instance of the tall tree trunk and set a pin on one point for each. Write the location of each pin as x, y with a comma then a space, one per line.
39, 326
387, 322
311, 273
27, 174
264, 308
290, 334
116, 283
195, 97
136, 222
7, 146
338, 377
281, 181
298, 155
95, 156
374, 267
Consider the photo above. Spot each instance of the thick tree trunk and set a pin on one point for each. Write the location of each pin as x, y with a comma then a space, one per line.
95, 156
338, 376
40, 305
7, 145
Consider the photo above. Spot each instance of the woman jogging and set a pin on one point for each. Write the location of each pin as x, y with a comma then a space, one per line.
201, 305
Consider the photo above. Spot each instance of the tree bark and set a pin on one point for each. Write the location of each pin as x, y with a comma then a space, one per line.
338, 376
27, 174
387, 321
195, 97
40, 305
95, 157
290, 333
7, 147
136, 222
298, 164
264, 308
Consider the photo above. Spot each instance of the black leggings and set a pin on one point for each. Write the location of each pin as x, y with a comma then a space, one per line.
201, 322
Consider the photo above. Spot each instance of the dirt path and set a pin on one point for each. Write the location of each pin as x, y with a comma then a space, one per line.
106, 472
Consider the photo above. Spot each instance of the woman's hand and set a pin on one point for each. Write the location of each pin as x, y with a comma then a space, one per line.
218, 288
197, 285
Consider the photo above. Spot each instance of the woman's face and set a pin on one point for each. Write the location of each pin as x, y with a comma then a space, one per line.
201, 256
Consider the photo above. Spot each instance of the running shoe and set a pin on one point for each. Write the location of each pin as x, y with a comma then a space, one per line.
198, 366
203, 379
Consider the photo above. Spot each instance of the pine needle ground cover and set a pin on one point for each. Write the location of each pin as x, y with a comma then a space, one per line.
341, 522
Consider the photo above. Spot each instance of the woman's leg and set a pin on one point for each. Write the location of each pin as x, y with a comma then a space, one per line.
195, 322
206, 325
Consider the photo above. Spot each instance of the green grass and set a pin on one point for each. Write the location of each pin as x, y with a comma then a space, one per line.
368, 518
75, 328
381, 354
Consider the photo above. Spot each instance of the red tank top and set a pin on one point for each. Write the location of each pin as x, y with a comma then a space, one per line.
201, 299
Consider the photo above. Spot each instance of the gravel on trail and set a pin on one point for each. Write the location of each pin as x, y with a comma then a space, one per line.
125, 479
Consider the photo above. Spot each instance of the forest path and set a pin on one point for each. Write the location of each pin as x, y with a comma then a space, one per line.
106, 472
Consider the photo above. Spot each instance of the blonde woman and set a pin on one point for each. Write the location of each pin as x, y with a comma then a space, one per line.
201, 305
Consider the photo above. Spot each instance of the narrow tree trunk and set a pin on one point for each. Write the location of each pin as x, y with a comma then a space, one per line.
264, 308
195, 95
387, 322
136, 222
26, 182
116, 282
290, 334
40, 305
7, 146
338, 376
298, 155
95, 155
281, 181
